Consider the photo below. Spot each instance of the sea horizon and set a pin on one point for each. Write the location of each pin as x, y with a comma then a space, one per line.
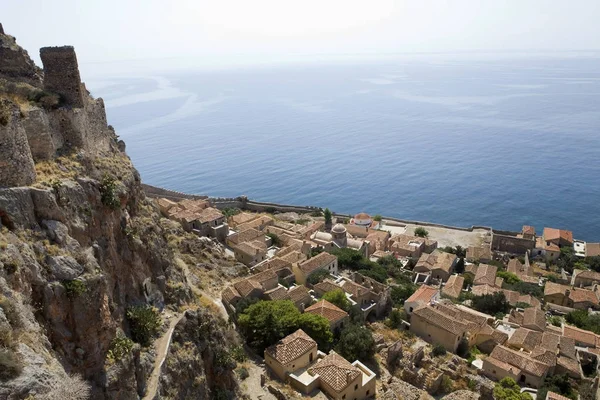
452, 140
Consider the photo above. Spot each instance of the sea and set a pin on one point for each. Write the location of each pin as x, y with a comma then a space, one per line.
500, 141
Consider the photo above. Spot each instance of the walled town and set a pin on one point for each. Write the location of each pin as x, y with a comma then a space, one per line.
431, 308
112, 289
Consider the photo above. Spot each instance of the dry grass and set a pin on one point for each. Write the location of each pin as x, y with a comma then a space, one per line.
50, 173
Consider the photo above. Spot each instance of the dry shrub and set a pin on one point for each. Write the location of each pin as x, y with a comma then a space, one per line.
72, 387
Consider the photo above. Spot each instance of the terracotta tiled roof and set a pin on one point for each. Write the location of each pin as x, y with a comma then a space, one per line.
241, 218
521, 360
293, 256
454, 286
553, 341
471, 268
245, 236
583, 296
354, 289
208, 215
579, 335
569, 364
279, 293
515, 267
440, 319
256, 281
299, 294
552, 288
486, 275
525, 338
478, 252
529, 299
326, 285
257, 223
274, 263
481, 290
474, 320
499, 336
327, 310
555, 396
592, 275
544, 355
423, 294
555, 234
291, 347
319, 261
534, 317
503, 365
335, 371
230, 294
437, 260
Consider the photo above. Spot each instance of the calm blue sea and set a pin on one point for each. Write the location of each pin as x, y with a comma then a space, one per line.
500, 142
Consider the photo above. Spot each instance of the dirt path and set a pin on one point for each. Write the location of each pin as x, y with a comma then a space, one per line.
162, 345
251, 385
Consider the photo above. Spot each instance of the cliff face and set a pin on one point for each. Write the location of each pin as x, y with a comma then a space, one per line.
80, 246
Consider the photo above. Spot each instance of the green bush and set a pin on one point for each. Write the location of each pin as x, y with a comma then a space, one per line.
338, 298
377, 218
10, 364
421, 232
508, 389
108, 193
491, 303
438, 350
317, 276
395, 318
356, 343
242, 373
74, 288
144, 323
275, 240
508, 277
230, 212
120, 346
582, 319
400, 293
238, 354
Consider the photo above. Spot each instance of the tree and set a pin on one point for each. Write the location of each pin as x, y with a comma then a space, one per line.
356, 343
377, 272
583, 320
395, 318
338, 298
144, 323
328, 217
460, 266
558, 384
469, 278
421, 232
317, 327
400, 293
377, 218
275, 240
317, 276
266, 322
508, 277
438, 350
507, 389
491, 303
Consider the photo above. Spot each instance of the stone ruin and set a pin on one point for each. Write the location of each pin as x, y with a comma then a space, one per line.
31, 132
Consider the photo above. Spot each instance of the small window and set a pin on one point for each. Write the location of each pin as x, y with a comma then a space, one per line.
367, 392
356, 387
344, 396
293, 365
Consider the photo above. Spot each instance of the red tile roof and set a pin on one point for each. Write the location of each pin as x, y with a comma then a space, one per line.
423, 294
292, 347
330, 311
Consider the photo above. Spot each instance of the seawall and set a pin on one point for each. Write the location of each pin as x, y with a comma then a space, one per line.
243, 203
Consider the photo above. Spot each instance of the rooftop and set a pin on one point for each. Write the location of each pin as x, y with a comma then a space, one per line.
423, 294
319, 261
558, 234
291, 347
330, 311
485, 275
454, 286
440, 319
335, 371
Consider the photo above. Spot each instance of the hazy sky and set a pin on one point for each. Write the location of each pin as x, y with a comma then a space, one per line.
108, 30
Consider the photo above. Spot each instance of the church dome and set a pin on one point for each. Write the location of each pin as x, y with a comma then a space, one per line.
338, 228
362, 219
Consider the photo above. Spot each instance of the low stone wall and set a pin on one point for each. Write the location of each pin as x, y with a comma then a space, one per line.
156, 192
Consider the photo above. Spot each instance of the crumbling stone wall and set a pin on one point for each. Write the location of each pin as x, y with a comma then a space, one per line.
61, 74
15, 63
16, 162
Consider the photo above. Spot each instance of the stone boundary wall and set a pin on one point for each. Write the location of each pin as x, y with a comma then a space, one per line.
156, 192
243, 203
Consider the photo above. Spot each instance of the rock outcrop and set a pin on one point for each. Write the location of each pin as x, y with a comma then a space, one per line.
81, 246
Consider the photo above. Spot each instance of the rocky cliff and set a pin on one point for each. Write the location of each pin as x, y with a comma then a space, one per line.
87, 264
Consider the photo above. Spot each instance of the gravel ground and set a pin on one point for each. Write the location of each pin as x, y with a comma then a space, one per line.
445, 236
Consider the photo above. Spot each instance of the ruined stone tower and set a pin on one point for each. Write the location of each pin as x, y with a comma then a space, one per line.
61, 74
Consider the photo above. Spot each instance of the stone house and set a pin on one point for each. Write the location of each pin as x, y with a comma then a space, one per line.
339, 379
453, 287
581, 337
250, 253
518, 365
423, 295
337, 317
523, 271
436, 327
245, 236
485, 275
560, 237
438, 264
511, 242
585, 278
534, 318
546, 250
411, 246
479, 253
528, 232
564, 295
290, 354
255, 286
326, 285
322, 261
